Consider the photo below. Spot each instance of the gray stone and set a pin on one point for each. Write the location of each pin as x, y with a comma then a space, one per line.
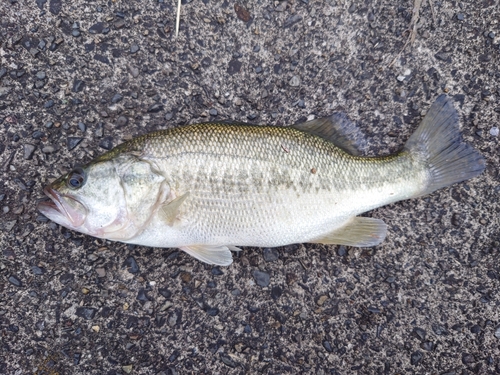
72, 142
271, 254
261, 278
294, 81
29, 149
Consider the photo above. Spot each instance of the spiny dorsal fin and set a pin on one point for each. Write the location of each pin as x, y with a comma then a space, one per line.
358, 232
169, 211
337, 129
218, 255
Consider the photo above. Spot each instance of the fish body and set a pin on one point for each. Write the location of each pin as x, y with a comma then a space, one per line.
208, 188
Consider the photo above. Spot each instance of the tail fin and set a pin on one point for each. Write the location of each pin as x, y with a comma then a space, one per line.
438, 141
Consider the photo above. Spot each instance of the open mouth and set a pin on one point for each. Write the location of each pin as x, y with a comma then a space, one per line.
63, 209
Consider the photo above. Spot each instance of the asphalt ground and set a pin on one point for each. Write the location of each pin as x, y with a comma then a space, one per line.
79, 77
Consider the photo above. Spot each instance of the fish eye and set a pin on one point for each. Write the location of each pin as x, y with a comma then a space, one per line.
76, 179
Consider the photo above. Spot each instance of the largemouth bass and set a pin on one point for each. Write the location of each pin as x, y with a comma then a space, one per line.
208, 188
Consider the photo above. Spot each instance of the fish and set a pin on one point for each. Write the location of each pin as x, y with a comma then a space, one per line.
210, 188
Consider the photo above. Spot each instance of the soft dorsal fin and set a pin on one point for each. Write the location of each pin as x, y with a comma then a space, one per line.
358, 231
169, 211
218, 255
337, 129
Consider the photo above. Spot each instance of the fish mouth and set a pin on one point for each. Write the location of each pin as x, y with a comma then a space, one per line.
63, 209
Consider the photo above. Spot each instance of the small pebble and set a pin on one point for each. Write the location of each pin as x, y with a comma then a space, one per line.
38, 270
342, 251
78, 85
419, 333
87, 313
131, 265
121, 121
497, 332
416, 358
262, 279
72, 142
294, 82
165, 292
134, 48
216, 271
76, 358
327, 346
29, 149
155, 108
134, 71
15, 281
494, 131
40, 75
106, 143
101, 272
185, 277
321, 300
48, 149
116, 98
271, 254
428, 346
439, 330
213, 112
276, 292
119, 24
66, 278
142, 295
468, 358
213, 311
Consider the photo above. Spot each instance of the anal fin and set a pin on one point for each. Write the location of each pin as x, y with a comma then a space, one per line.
217, 255
358, 232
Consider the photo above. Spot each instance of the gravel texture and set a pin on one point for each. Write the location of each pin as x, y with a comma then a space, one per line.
79, 77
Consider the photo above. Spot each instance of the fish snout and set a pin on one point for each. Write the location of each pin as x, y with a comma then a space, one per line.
64, 209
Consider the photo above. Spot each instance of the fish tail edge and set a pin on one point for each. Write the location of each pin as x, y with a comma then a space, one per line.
438, 141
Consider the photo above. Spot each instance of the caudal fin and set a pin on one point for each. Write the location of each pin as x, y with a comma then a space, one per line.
437, 140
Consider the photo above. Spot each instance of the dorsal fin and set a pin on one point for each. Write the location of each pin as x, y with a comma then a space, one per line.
337, 129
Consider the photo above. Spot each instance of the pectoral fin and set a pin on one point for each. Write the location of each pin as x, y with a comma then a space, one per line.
218, 255
169, 211
358, 232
